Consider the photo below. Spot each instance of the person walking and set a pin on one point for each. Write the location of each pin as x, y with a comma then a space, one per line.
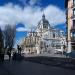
19, 49
2, 55
9, 54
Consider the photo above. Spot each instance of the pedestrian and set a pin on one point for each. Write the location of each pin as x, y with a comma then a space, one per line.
14, 56
2, 58
19, 49
9, 54
2, 55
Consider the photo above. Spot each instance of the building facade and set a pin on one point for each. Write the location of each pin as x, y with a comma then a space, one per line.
44, 39
70, 24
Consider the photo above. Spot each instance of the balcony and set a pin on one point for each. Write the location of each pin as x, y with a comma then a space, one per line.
73, 17
73, 6
73, 39
73, 29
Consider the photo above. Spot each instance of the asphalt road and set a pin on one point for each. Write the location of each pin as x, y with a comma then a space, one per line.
30, 68
44, 54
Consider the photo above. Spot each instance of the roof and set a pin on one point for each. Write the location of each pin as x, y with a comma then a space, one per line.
43, 20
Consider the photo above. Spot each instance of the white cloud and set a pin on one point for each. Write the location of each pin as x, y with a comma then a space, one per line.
30, 16
33, 2
55, 15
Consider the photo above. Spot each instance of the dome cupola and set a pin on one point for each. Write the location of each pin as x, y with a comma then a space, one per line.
43, 23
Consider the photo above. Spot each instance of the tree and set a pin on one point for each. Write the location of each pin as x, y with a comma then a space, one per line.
1, 46
1, 40
9, 36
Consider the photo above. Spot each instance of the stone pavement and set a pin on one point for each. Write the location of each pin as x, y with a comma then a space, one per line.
30, 68
45, 54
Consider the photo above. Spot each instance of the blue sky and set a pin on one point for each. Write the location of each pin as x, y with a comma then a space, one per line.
26, 14
43, 3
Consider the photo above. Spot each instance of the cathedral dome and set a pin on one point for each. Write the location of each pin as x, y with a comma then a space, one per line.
43, 22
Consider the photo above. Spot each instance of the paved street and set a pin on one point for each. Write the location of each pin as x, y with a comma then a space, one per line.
34, 55
30, 68
45, 54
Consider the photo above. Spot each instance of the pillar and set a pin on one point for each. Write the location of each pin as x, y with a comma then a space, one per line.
69, 47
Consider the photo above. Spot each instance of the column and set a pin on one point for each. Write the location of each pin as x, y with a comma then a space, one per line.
69, 47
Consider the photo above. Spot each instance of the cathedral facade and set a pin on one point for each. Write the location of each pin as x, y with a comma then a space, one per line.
44, 39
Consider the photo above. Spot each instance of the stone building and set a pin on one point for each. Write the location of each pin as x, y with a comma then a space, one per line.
70, 24
44, 39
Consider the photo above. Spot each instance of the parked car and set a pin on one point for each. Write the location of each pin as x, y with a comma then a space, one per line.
71, 54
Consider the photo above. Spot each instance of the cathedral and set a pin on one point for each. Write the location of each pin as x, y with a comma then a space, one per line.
45, 39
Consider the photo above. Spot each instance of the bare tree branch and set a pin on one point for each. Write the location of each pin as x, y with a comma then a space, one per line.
9, 36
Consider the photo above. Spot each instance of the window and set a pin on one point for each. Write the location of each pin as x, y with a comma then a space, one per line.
73, 12
73, 1
73, 23
53, 35
45, 26
73, 36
